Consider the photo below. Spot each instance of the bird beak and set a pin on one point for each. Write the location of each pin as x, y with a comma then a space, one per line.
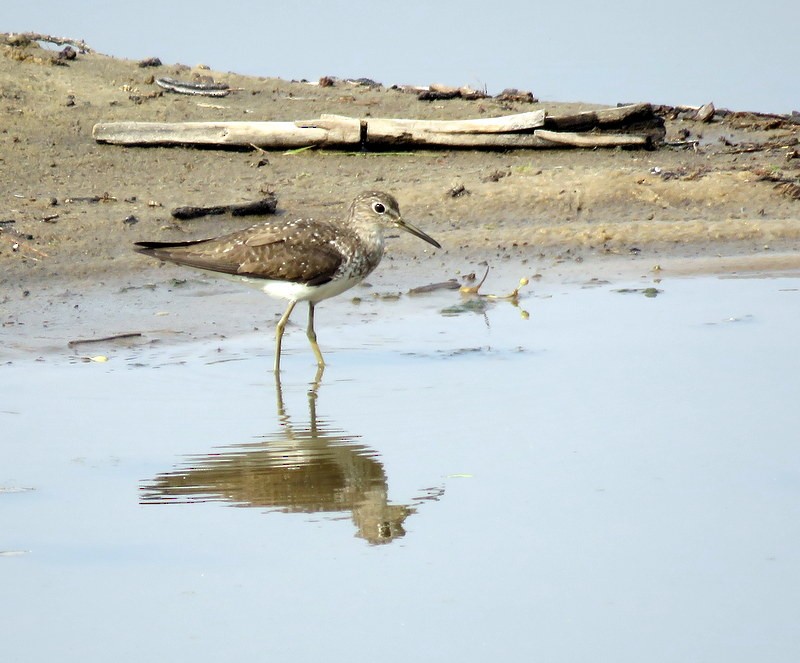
404, 225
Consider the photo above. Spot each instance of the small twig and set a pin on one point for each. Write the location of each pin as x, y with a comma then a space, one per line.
19, 246
105, 198
473, 289
299, 150
452, 284
513, 296
682, 143
115, 337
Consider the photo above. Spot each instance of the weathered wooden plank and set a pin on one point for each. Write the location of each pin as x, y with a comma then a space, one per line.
600, 118
485, 125
284, 135
591, 140
469, 141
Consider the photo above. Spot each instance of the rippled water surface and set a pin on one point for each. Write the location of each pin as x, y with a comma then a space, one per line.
614, 478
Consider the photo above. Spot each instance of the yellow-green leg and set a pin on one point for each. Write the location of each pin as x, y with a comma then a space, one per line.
312, 336
279, 334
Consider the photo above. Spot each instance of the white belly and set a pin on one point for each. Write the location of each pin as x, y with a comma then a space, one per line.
301, 292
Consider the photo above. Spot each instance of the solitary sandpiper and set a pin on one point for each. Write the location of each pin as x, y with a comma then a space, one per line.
300, 260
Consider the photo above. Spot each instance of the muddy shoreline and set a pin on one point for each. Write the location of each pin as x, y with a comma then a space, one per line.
71, 208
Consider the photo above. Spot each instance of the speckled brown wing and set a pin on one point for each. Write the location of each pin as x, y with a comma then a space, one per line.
299, 251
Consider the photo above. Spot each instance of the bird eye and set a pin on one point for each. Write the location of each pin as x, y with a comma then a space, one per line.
379, 208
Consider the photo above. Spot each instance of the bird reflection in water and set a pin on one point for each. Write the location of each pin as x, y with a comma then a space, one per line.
313, 469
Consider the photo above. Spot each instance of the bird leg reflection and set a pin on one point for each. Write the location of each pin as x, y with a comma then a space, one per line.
316, 383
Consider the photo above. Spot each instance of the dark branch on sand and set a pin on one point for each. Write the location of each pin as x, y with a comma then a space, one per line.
266, 205
115, 337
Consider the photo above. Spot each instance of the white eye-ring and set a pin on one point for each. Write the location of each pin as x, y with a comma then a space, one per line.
378, 208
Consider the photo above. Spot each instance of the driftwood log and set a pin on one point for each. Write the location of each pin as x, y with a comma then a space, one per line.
627, 126
199, 88
266, 135
25, 38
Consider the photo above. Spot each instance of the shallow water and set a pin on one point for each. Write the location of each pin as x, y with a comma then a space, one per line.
615, 478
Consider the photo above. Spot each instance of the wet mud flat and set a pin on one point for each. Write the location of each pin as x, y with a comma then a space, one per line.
71, 208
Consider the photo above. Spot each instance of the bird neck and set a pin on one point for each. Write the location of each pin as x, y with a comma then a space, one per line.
371, 234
